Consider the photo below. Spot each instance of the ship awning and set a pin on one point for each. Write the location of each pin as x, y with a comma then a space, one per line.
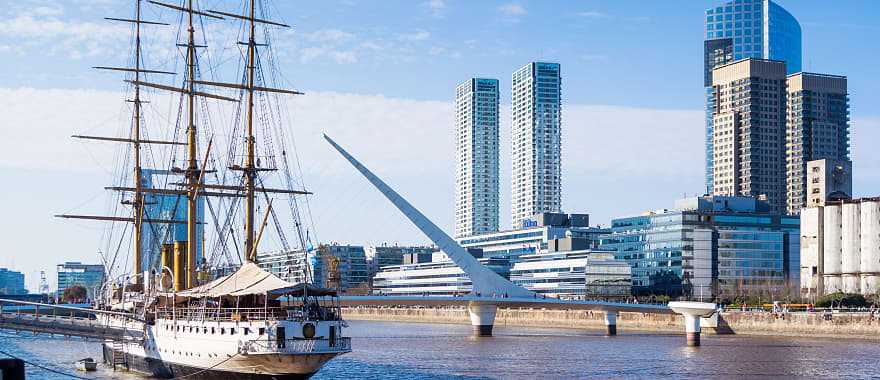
249, 279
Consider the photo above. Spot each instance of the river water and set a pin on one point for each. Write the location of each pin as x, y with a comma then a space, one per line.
391, 350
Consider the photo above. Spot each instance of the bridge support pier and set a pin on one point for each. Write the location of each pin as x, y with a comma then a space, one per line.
482, 317
610, 323
692, 312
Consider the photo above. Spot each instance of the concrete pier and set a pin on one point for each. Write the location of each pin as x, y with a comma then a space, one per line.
610, 323
692, 312
482, 318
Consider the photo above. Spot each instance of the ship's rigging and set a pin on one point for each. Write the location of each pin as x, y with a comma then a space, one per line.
206, 181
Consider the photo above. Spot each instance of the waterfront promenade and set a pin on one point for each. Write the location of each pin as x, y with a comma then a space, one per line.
836, 324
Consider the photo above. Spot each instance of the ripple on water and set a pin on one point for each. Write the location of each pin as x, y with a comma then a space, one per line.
392, 350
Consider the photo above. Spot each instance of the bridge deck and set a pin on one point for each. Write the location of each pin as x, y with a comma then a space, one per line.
67, 326
504, 302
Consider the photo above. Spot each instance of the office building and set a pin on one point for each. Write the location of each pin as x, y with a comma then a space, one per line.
290, 266
386, 255
342, 267
828, 180
840, 247
817, 127
710, 246
11, 282
538, 234
440, 277
166, 207
745, 29
477, 157
749, 130
536, 156
88, 276
579, 275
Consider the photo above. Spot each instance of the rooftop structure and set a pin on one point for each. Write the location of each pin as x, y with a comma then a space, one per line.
535, 236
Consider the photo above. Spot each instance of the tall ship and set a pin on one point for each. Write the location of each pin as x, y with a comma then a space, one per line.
189, 287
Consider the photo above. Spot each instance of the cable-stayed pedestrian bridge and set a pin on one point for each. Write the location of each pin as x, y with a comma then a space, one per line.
482, 309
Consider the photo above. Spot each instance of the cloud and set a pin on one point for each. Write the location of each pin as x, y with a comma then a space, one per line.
512, 10
42, 31
420, 35
437, 7
592, 14
328, 35
315, 53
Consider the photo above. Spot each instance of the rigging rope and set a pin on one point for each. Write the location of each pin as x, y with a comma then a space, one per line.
43, 367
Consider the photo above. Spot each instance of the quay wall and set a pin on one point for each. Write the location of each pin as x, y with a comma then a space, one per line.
839, 325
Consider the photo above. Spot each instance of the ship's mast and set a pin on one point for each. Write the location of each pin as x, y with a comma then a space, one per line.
250, 171
192, 172
138, 202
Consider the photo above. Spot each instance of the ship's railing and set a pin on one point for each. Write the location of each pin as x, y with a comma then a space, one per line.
298, 346
246, 314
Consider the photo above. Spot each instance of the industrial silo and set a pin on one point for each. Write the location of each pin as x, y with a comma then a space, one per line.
833, 248
850, 247
870, 247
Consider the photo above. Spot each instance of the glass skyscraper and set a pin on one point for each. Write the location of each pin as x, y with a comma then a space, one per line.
746, 29
477, 162
536, 179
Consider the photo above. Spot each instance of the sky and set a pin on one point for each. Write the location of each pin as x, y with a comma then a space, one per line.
379, 77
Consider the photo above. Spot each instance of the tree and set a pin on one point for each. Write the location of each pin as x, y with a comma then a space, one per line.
75, 293
841, 299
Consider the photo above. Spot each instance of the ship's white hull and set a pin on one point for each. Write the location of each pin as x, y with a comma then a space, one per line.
271, 366
225, 350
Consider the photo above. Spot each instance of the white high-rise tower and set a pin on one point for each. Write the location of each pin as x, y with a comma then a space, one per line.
476, 131
536, 180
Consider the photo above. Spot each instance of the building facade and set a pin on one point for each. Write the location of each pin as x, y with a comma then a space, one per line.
828, 180
579, 275
387, 255
745, 29
436, 278
537, 236
342, 267
290, 266
749, 130
817, 127
709, 247
11, 282
477, 157
166, 207
536, 156
89, 276
840, 247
